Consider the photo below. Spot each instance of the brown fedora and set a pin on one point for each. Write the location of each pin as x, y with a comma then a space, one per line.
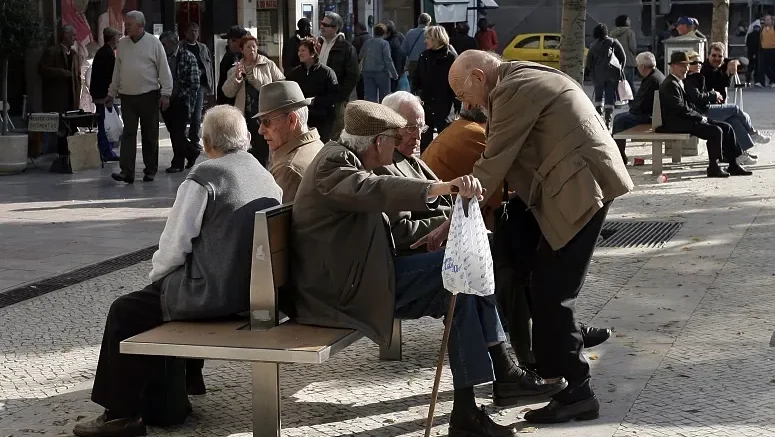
284, 94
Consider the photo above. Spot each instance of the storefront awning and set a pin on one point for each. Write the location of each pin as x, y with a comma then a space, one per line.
488, 4
450, 11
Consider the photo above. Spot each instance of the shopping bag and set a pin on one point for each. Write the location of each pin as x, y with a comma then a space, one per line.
114, 126
467, 259
624, 91
403, 83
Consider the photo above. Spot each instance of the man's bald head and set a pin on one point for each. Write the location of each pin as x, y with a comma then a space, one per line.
473, 75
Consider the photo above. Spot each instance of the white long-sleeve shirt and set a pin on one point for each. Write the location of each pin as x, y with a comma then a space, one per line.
184, 223
141, 67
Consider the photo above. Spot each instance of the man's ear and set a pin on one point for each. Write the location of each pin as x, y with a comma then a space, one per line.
478, 75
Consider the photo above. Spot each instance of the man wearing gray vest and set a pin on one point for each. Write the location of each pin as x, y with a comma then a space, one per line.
201, 270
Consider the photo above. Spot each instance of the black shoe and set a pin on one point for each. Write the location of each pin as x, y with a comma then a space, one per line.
594, 336
149, 178
102, 427
120, 177
736, 170
174, 170
195, 383
715, 171
476, 423
110, 159
529, 387
555, 412
191, 161
61, 165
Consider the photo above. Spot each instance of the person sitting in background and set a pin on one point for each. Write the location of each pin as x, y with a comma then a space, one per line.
283, 113
709, 103
642, 106
208, 239
101, 75
680, 116
318, 82
365, 286
186, 77
462, 41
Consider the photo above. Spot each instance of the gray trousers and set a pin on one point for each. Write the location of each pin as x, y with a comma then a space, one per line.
142, 108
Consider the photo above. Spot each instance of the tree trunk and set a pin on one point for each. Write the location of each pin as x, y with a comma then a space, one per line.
720, 29
4, 82
574, 17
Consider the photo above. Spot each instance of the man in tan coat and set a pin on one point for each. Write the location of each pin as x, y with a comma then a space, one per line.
346, 273
547, 143
283, 113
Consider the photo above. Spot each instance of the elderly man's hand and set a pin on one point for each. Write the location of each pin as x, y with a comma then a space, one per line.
434, 240
468, 186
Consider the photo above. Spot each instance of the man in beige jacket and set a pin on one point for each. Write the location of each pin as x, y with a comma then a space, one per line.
546, 142
283, 115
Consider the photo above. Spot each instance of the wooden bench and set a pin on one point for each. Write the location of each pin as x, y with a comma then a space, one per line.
645, 132
268, 339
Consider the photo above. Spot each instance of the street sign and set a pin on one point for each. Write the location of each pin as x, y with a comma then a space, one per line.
267, 4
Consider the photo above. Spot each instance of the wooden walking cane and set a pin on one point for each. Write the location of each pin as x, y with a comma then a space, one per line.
444, 340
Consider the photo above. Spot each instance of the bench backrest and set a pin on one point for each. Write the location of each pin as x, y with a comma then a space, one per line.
656, 112
270, 264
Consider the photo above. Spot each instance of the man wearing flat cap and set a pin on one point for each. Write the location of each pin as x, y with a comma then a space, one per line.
283, 113
679, 115
346, 273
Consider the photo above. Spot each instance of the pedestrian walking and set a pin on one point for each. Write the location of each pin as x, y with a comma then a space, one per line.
605, 61
377, 68
101, 75
142, 79
414, 45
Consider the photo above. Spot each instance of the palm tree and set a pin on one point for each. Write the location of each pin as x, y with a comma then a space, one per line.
720, 29
574, 17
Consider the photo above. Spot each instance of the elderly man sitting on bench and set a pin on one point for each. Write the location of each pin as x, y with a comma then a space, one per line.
346, 273
201, 270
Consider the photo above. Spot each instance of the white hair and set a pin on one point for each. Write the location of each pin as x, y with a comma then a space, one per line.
361, 143
303, 115
137, 16
646, 59
397, 99
225, 130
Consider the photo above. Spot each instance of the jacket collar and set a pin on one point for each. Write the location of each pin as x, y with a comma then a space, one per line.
310, 136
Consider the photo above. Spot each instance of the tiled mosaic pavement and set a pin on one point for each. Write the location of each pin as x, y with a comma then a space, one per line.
690, 355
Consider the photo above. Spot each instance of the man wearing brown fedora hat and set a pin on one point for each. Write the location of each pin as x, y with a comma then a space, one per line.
680, 116
283, 113
346, 273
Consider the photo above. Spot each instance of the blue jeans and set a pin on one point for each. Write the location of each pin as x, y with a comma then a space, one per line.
625, 121
196, 119
376, 85
739, 120
475, 323
105, 146
606, 89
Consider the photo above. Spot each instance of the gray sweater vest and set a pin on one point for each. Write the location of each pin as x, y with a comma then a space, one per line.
215, 279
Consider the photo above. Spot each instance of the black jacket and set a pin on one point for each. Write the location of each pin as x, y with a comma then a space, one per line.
344, 61
359, 40
716, 79
227, 62
700, 98
399, 58
102, 72
678, 114
432, 67
753, 43
291, 52
319, 81
643, 103
462, 43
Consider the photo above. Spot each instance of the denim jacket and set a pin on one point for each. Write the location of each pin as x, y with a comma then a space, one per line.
375, 57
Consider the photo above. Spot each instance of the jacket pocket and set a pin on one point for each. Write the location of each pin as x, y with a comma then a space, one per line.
351, 284
571, 188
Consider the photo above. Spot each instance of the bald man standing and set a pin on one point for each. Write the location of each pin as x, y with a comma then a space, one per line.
546, 142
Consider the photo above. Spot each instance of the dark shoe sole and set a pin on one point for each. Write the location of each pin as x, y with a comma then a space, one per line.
148, 178
591, 415
463, 433
511, 401
118, 178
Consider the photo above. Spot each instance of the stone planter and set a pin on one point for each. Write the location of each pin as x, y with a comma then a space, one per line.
13, 153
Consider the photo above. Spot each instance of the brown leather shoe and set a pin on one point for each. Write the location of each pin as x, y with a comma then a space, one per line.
102, 427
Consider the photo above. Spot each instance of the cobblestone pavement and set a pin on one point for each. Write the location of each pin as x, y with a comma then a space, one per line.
690, 355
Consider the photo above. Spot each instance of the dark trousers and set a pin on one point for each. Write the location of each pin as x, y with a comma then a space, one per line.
176, 118
553, 280
765, 66
196, 118
105, 146
142, 109
435, 118
360, 88
720, 140
121, 378
625, 121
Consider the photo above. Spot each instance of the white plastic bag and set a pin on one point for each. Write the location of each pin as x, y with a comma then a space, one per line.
624, 91
467, 259
114, 126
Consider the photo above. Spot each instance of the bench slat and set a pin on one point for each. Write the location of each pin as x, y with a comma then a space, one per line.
233, 340
645, 132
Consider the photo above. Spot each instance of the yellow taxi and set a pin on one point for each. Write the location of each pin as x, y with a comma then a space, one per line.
543, 48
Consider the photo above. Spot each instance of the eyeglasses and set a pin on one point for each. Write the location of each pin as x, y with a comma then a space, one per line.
414, 128
266, 121
694, 63
324, 24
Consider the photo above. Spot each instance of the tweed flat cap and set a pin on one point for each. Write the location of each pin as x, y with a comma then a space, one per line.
366, 119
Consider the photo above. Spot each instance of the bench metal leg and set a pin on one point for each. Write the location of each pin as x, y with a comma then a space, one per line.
677, 151
266, 400
392, 352
656, 157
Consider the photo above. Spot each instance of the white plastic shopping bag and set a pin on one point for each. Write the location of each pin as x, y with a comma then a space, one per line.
114, 126
624, 91
467, 259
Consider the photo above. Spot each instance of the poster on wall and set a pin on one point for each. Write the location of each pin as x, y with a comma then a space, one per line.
113, 17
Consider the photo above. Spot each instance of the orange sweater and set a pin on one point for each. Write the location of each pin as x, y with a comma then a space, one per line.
768, 38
